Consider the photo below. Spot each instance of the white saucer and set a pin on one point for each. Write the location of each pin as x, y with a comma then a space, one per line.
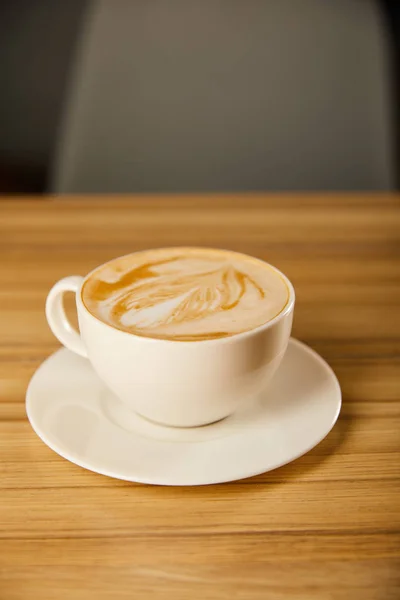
77, 417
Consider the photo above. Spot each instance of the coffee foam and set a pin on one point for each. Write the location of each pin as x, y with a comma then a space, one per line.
185, 294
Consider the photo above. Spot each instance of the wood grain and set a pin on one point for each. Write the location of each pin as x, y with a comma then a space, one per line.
326, 527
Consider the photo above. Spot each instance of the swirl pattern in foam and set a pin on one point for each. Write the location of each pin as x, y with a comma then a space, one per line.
185, 294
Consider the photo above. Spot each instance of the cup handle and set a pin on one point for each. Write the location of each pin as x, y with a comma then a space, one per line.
57, 319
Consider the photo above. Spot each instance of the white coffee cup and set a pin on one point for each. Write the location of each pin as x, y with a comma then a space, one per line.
176, 383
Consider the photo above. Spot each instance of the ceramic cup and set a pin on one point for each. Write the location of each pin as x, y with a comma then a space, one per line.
175, 383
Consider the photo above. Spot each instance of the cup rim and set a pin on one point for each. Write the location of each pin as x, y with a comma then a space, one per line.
288, 308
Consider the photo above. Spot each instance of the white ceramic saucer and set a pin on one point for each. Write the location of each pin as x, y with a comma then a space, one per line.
77, 417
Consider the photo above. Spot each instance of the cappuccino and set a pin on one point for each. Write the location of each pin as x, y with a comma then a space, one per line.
185, 294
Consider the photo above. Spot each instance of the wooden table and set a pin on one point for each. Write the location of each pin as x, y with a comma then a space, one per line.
326, 527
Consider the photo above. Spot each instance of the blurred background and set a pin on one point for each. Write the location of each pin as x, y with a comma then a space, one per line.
198, 95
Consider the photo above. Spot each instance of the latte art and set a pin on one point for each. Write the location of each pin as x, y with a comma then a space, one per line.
185, 294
